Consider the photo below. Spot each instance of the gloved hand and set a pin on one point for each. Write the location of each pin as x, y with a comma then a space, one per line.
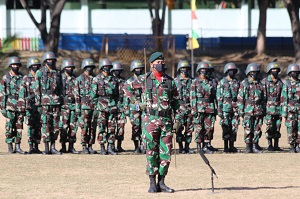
142, 106
39, 109
176, 126
4, 113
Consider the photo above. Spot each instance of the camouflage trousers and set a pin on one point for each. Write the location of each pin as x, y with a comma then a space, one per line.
13, 127
273, 124
187, 126
136, 122
229, 123
120, 128
158, 138
69, 126
204, 127
33, 121
106, 123
252, 128
50, 122
88, 130
293, 128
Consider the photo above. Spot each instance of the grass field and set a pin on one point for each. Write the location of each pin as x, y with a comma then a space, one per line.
266, 175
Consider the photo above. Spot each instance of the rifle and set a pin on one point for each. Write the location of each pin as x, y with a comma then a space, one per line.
212, 169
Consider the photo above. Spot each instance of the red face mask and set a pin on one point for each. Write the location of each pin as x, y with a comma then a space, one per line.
158, 75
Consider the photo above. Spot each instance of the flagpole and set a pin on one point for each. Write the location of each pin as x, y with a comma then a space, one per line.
191, 40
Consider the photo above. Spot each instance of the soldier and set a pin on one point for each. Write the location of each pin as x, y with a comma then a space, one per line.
290, 97
159, 98
133, 93
33, 115
203, 103
70, 109
121, 119
105, 91
88, 133
227, 92
272, 89
12, 104
251, 107
49, 95
183, 83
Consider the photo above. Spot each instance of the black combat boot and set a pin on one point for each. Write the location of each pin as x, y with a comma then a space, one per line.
297, 148
47, 151
72, 149
256, 148
206, 149
187, 148
36, 148
276, 145
249, 148
270, 147
10, 148
181, 148
63, 148
226, 149
142, 147
102, 149
53, 149
199, 146
211, 147
152, 188
232, 149
19, 150
119, 146
91, 150
110, 149
31, 149
137, 149
292, 148
161, 185
85, 150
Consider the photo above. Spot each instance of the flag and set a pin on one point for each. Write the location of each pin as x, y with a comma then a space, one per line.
193, 42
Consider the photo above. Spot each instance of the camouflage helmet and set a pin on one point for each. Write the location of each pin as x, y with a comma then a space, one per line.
292, 67
48, 55
67, 63
183, 64
14, 60
33, 61
87, 62
272, 65
104, 62
136, 64
202, 65
230, 66
116, 66
252, 67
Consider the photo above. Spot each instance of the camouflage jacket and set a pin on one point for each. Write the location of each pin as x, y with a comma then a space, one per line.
48, 87
290, 97
85, 91
251, 98
272, 92
183, 87
12, 94
29, 86
120, 101
227, 92
132, 92
105, 92
203, 96
70, 93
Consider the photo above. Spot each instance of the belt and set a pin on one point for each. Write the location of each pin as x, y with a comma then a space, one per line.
253, 101
48, 92
85, 99
70, 100
204, 99
233, 99
160, 113
13, 97
294, 101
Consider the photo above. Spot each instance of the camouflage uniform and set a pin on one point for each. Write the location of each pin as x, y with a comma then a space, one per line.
290, 97
251, 106
12, 104
227, 92
105, 93
48, 94
70, 108
272, 89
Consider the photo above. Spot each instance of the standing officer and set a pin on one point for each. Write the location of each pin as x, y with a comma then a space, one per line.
133, 92
251, 107
203, 103
227, 93
290, 97
48, 95
33, 115
121, 118
183, 84
272, 89
105, 91
70, 108
88, 133
12, 104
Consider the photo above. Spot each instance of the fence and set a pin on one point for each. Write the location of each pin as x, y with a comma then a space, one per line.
31, 44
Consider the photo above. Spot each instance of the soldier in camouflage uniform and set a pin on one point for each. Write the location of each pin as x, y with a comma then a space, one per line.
227, 92
12, 104
70, 109
290, 97
121, 119
183, 83
88, 133
33, 115
272, 89
48, 94
203, 103
251, 107
133, 93
105, 92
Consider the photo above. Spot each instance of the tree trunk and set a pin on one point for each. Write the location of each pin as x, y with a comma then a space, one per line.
261, 32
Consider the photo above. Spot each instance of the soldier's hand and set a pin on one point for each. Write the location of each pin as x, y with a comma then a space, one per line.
176, 126
4, 113
142, 106
39, 109
221, 116
28, 114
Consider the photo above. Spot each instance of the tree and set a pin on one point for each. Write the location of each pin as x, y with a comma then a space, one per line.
293, 10
51, 38
261, 32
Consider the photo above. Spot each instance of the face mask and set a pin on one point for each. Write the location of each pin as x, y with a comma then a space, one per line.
159, 67
117, 73
137, 72
51, 64
294, 75
204, 73
274, 73
254, 75
15, 69
231, 73
184, 72
89, 70
209, 73
34, 69
70, 71
106, 69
